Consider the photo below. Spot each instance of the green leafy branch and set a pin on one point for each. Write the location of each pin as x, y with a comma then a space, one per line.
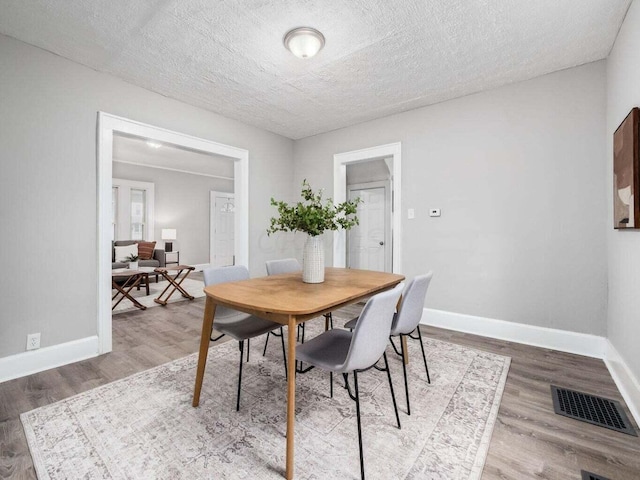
313, 215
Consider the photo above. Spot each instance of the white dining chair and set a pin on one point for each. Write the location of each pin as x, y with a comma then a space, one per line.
406, 321
343, 351
238, 325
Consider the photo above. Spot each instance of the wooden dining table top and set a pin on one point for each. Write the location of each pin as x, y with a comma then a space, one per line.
286, 294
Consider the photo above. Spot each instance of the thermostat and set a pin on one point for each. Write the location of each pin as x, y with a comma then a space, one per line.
434, 212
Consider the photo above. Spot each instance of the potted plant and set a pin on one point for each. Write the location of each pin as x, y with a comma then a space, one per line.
313, 216
133, 261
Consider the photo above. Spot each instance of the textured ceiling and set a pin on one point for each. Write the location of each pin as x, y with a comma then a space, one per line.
381, 56
135, 150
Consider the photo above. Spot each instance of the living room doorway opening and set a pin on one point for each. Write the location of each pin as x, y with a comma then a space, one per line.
111, 127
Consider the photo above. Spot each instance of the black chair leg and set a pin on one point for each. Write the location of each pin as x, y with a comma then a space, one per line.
355, 381
266, 342
404, 370
393, 395
248, 346
240, 374
424, 357
284, 354
331, 384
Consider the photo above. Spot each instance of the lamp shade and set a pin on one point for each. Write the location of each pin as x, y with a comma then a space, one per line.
168, 234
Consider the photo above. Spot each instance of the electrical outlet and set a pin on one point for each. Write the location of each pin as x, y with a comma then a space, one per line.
411, 213
33, 341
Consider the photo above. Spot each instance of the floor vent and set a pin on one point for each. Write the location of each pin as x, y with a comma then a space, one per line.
591, 476
591, 409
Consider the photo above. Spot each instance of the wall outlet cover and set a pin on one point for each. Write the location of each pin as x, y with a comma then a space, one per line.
33, 341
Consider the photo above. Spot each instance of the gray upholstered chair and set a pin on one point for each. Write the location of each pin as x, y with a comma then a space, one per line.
343, 351
406, 321
238, 325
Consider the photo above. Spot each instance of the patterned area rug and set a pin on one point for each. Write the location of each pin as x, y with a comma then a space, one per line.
193, 287
144, 426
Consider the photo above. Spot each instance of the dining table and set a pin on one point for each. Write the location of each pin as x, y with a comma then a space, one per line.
287, 300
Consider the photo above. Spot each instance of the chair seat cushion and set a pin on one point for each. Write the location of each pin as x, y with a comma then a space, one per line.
327, 351
351, 324
244, 326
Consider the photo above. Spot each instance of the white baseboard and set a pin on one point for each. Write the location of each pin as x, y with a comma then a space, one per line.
34, 361
626, 381
551, 338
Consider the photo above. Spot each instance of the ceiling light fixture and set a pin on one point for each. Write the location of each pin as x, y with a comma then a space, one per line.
153, 144
304, 42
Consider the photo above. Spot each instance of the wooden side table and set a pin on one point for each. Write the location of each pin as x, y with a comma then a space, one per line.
183, 272
133, 279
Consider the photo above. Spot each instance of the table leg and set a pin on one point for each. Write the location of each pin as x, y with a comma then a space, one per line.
291, 395
207, 325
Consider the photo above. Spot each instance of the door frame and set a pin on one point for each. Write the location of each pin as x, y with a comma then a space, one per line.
392, 151
212, 235
386, 185
109, 124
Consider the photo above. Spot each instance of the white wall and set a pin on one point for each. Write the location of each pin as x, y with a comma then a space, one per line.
518, 173
182, 201
48, 113
623, 93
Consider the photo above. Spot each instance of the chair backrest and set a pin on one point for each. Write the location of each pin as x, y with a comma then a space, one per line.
412, 305
371, 335
216, 275
285, 265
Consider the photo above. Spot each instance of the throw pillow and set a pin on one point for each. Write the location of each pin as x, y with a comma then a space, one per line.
145, 250
122, 252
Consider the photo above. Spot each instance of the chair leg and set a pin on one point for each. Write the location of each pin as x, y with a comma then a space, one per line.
284, 354
248, 346
303, 330
404, 370
331, 384
240, 374
266, 342
355, 381
424, 357
393, 395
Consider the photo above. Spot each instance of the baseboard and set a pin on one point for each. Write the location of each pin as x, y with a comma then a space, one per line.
201, 266
551, 338
626, 381
35, 361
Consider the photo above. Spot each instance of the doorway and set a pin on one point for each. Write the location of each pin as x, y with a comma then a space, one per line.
391, 155
369, 243
222, 229
108, 125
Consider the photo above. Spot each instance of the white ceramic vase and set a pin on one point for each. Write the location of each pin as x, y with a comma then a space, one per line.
133, 265
313, 260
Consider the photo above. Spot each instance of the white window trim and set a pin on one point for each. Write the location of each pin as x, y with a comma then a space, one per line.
107, 125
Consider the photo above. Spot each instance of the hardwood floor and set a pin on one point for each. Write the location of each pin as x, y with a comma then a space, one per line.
529, 440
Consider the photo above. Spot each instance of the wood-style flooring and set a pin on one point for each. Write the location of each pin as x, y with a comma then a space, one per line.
529, 441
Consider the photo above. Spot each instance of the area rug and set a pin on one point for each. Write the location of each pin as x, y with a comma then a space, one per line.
144, 427
193, 287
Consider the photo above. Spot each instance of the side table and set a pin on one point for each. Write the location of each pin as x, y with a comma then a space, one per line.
133, 279
183, 272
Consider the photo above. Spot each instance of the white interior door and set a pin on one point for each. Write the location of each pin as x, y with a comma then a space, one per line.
222, 228
369, 242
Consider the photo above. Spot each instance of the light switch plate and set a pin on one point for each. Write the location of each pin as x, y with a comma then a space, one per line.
434, 212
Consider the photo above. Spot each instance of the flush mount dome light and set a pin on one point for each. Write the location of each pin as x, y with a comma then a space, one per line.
304, 42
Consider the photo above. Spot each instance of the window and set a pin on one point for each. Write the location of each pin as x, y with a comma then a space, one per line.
138, 209
132, 210
114, 212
